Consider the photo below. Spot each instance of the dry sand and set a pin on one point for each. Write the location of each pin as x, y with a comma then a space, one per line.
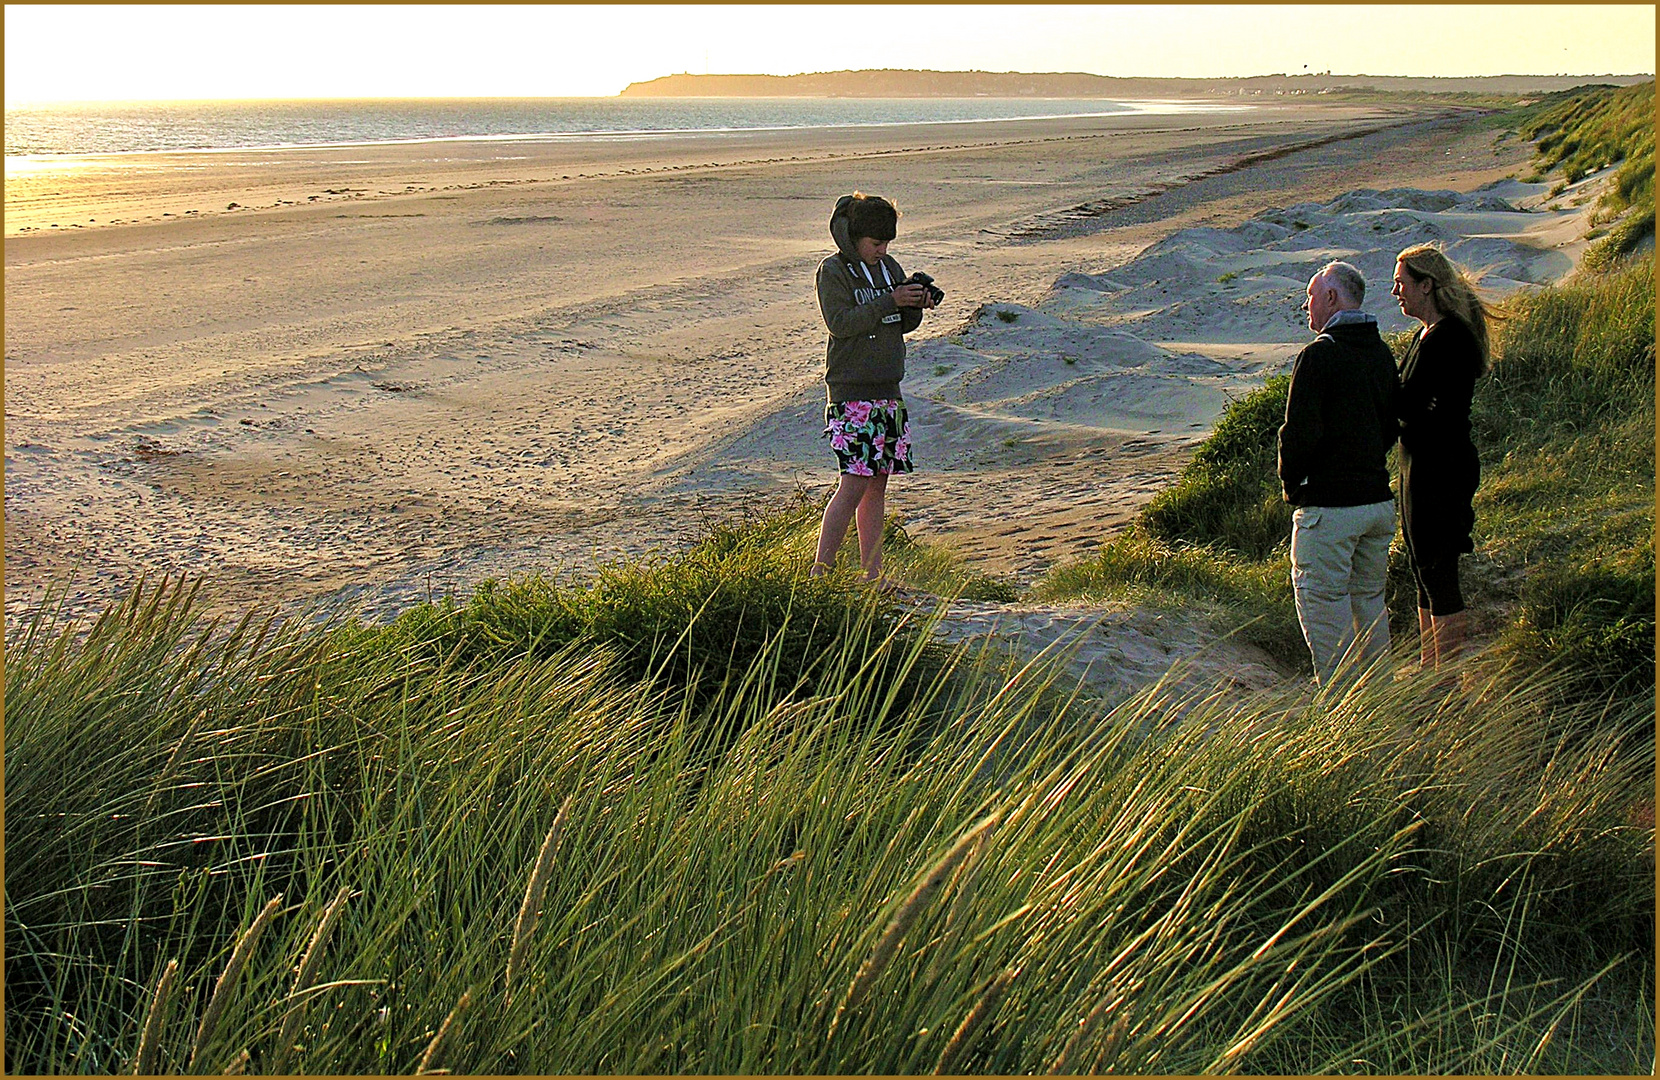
393, 371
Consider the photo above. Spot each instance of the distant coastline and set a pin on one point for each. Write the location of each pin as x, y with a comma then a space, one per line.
1014, 84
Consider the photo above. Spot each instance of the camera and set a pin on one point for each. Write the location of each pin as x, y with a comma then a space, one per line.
935, 293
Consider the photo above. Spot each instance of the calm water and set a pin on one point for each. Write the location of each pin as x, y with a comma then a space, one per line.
128, 127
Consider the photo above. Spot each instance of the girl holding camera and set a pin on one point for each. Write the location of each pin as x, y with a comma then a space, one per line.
868, 306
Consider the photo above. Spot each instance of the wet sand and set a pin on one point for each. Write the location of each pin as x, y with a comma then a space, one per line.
390, 372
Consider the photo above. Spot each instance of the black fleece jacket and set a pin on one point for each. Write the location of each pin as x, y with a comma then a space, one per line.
1339, 419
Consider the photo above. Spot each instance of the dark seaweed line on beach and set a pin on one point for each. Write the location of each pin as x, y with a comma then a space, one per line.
1092, 216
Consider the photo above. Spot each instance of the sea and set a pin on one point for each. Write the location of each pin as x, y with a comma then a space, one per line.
51, 131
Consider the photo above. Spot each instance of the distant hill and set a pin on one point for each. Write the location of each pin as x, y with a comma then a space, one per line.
1007, 84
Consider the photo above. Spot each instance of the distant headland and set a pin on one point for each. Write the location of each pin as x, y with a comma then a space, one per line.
1014, 84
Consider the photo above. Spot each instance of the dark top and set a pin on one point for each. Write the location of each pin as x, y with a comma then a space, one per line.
865, 357
1440, 469
1339, 419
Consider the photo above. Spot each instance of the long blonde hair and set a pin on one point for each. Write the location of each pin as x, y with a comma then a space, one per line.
1454, 291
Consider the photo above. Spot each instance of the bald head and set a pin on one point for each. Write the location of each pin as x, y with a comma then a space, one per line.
1338, 286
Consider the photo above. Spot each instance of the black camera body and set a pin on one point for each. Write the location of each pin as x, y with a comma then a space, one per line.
935, 293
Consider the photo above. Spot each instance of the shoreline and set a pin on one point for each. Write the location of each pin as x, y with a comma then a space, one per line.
41, 161
486, 371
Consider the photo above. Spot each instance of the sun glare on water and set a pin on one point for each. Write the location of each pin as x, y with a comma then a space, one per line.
26, 166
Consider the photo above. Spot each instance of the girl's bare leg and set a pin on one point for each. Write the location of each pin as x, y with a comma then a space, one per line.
872, 509
838, 515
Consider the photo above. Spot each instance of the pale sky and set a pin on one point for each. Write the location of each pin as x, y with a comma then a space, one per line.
106, 53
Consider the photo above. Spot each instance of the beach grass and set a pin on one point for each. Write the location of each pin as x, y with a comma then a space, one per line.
1585, 130
984, 874
1581, 132
1566, 510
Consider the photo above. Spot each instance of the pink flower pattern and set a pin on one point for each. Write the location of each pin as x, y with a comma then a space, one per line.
869, 437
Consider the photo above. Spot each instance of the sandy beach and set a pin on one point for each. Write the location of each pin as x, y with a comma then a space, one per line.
366, 375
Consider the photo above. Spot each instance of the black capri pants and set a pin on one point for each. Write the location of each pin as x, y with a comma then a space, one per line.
1438, 591
1436, 519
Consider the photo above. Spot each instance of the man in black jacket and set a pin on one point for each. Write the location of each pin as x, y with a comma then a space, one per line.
1339, 425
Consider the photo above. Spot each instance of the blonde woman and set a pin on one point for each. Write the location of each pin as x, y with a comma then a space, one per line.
1439, 466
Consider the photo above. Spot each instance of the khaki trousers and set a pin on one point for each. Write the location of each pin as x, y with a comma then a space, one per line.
1339, 562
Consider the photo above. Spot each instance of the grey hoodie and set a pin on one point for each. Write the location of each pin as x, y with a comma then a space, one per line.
866, 356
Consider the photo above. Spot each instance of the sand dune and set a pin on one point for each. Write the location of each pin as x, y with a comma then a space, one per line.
1243, 284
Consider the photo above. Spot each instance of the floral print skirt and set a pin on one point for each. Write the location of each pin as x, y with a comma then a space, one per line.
869, 437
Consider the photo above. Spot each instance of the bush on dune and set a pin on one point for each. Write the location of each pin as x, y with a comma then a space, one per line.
1623, 240
691, 619
1228, 496
1598, 620
1252, 596
1591, 128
